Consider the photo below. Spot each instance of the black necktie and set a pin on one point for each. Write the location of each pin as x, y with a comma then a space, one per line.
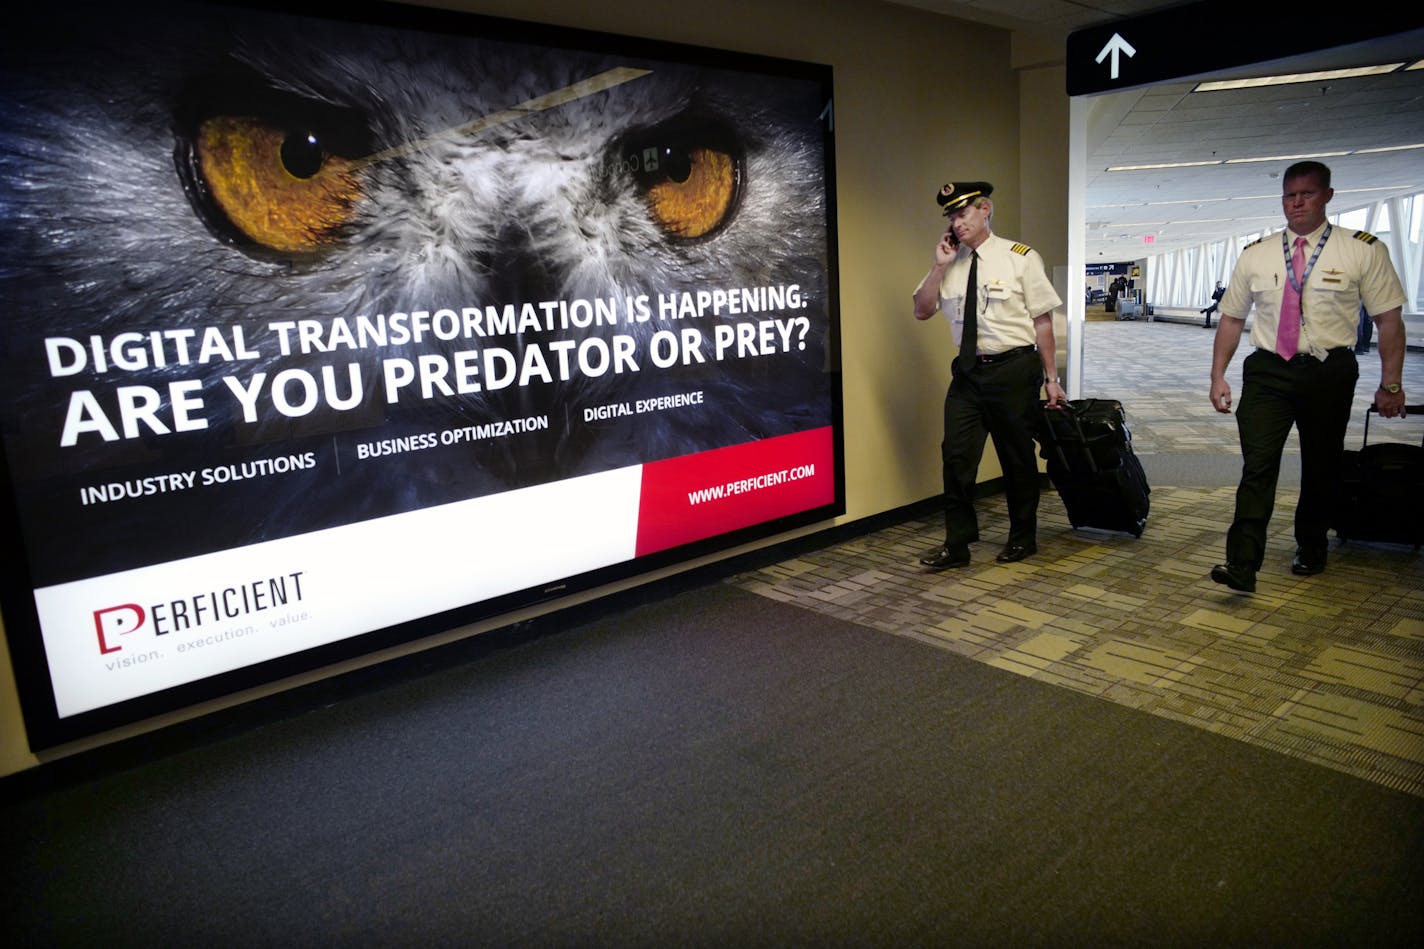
969, 339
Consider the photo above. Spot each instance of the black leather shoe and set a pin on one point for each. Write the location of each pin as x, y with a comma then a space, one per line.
1307, 566
1013, 553
943, 558
1238, 576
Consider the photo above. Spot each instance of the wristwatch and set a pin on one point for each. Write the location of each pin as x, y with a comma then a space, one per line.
1392, 388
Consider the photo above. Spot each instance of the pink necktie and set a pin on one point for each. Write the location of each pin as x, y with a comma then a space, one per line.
1288, 328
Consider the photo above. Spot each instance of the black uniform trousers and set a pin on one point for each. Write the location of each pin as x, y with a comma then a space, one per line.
998, 399
1316, 397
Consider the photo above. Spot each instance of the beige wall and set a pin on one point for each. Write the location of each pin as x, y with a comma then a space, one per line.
1043, 138
905, 124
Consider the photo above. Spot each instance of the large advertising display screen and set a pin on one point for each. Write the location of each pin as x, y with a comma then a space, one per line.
322, 334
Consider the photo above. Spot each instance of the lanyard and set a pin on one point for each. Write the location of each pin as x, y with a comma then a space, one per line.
1290, 271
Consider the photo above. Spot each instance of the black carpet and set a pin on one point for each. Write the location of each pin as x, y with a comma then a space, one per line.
710, 769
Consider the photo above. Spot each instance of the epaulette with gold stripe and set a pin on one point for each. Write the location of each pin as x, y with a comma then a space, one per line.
1254, 243
1021, 249
1365, 236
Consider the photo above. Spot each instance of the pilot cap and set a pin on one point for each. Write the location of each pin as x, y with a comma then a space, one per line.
958, 194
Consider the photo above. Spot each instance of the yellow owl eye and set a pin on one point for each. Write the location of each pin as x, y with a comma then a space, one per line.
689, 173
694, 193
281, 189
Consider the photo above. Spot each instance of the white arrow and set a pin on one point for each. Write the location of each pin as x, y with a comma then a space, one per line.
1115, 46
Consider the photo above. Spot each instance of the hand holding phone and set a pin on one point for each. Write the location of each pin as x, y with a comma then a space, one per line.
947, 248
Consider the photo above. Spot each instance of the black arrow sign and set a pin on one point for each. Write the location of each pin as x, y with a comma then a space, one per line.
1209, 36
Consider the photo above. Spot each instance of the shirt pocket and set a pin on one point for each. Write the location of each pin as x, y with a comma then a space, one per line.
1264, 285
994, 299
1332, 283
997, 293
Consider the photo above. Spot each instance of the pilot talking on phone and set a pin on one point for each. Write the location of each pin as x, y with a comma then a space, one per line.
1000, 306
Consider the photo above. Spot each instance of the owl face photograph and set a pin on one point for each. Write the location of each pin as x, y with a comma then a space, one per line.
395, 264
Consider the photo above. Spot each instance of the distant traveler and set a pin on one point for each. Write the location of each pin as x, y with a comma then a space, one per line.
1215, 302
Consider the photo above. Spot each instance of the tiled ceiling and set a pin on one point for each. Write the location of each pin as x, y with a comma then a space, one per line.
1139, 213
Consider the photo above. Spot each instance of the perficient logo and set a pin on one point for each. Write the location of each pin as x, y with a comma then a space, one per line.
115, 621
196, 610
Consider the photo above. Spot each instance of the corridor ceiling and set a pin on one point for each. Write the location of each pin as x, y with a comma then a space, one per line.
1344, 122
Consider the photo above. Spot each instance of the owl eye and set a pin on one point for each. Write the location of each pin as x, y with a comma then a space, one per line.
690, 178
279, 187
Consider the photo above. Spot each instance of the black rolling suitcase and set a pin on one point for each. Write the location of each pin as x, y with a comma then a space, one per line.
1382, 490
1091, 464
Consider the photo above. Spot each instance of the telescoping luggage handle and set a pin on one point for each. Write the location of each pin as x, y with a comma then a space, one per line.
1374, 410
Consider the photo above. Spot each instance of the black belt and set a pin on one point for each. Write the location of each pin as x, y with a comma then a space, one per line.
986, 358
1302, 358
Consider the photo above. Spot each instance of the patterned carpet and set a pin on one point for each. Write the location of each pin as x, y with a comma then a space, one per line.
1327, 668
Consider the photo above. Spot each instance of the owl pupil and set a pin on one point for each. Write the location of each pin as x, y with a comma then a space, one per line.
301, 154
677, 164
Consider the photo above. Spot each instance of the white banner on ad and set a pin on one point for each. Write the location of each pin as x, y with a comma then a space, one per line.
129, 634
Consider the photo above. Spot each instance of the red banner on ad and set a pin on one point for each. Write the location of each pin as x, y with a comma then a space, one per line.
713, 492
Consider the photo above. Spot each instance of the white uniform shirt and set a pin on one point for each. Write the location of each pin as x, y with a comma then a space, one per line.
1013, 289
1353, 268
